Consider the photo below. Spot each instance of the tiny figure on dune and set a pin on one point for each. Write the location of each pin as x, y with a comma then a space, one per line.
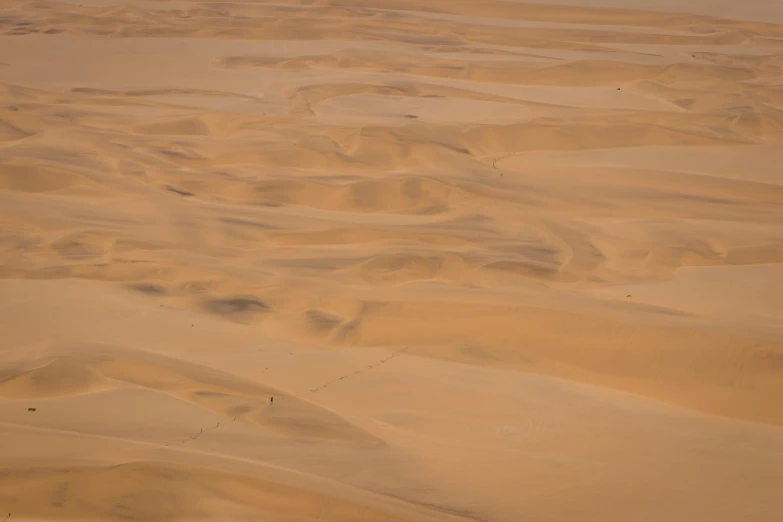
271, 401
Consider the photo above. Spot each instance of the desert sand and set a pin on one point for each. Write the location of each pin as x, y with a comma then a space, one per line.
494, 261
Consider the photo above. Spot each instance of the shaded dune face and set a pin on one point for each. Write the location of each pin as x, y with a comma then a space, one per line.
223, 394
391, 260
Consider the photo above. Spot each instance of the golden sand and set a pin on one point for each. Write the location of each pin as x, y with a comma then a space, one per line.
494, 261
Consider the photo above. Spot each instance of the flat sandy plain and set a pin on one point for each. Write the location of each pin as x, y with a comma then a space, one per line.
495, 261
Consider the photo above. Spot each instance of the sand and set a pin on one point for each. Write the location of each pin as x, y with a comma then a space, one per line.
494, 261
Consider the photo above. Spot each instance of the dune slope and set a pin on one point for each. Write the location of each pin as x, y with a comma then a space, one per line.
391, 260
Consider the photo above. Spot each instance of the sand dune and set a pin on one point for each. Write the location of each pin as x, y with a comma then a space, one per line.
391, 260
156, 491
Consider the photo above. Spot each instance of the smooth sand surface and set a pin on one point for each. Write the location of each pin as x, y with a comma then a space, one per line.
495, 261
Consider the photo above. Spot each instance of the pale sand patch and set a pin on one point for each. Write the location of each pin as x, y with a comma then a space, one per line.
757, 10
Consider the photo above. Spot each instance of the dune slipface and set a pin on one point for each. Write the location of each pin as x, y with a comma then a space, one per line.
391, 260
